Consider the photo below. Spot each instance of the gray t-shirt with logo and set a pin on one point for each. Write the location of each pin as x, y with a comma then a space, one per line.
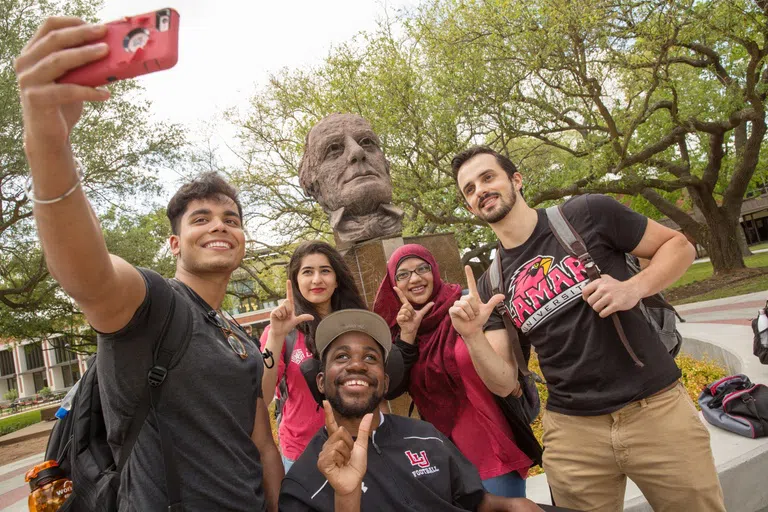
208, 403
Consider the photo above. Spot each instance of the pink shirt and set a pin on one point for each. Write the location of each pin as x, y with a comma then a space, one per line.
472, 420
301, 416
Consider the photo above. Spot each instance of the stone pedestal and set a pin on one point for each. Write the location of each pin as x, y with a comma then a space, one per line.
368, 263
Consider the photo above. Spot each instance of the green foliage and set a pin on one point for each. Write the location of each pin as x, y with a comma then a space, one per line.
118, 145
697, 373
19, 421
45, 392
11, 395
650, 99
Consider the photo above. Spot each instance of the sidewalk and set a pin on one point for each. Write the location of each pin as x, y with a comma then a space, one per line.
13, 489
40, 429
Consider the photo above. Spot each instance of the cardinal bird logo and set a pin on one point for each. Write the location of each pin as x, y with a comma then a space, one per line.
541, 286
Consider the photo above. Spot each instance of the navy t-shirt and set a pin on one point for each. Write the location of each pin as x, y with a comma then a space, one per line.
587, 369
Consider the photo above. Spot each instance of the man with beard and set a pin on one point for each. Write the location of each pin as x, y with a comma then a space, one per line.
344, 169
412, 465
211, 409
609, 415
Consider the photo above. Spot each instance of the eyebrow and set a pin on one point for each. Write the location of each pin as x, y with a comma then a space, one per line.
207, 211
339, 137
348, 348
320, 267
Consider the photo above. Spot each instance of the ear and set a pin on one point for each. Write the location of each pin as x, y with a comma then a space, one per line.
320, 379
386, 383
175, 243
517, 181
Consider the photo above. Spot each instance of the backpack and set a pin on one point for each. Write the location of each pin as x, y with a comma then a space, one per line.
282, 386
78, 442
659, 313
735, 404
760, 339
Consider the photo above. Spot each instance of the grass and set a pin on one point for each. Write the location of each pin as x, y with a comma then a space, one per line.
701, 271
19, 421
696, 374
757, 284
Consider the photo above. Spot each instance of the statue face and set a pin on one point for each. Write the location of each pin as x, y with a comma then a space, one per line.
345, 167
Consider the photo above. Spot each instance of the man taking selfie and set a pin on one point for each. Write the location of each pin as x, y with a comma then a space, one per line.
212, 399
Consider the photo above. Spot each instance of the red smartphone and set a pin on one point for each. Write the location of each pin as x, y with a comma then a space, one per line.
137, 45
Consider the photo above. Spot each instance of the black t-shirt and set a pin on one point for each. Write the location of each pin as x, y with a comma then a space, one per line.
208, 402
411, 467
587, 369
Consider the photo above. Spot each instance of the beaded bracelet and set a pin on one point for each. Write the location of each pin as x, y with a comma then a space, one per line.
30, 195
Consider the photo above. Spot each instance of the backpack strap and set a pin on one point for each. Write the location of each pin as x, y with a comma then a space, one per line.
290, 344
169, 348
574, 245
496, 276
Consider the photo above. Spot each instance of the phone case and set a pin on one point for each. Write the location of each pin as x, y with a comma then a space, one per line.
137, 45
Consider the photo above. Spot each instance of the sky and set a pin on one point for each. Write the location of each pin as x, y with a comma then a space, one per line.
228, 48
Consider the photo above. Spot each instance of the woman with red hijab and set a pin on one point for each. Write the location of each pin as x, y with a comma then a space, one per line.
450, 389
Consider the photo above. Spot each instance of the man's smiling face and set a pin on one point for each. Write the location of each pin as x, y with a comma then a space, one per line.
354, 380
211, 237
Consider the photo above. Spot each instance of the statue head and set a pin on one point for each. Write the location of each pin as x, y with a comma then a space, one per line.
343, 166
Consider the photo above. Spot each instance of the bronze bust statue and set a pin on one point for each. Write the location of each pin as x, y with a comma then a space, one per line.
344, 169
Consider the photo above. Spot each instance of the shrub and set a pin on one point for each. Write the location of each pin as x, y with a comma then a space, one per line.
19, 421
11, 395
45, 392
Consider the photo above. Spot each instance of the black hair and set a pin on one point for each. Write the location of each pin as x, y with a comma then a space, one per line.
345, 296
469, 153
208, 185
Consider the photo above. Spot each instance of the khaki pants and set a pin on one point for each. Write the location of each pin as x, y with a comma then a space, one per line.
659, 442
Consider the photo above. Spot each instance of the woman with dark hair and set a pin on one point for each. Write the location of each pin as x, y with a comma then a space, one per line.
319, 283
451, 389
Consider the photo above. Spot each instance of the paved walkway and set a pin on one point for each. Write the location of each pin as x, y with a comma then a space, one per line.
701, 317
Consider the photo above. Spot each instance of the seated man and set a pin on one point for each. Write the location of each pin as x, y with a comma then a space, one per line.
412, 466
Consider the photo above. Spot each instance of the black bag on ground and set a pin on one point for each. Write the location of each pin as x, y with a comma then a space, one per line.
79, 441
760, 340
735, 404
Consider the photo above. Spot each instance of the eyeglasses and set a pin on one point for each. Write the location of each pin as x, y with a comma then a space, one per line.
234, 342
405, 275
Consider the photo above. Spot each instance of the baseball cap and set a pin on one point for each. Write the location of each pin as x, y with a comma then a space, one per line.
352, 320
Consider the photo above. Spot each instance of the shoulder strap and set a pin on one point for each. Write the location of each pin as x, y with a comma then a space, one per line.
574, 245
169, 347
496, 276
290, 344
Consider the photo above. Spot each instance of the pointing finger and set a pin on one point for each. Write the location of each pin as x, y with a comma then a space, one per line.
289, 294
471, 283
364, 430
330, 419
400, 295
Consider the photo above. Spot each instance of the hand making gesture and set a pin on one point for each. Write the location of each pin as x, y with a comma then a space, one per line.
344, 461
408, 318
283, 318
469, 313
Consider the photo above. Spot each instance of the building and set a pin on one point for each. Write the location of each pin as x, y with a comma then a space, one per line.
31, 366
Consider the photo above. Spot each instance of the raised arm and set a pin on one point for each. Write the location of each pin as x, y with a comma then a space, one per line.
490, 351
107, 289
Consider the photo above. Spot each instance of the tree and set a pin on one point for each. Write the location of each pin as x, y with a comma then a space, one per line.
655, 99
118, 145
643, 98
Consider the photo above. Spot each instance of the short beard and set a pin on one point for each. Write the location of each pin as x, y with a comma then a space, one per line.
502, 210
354, 410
